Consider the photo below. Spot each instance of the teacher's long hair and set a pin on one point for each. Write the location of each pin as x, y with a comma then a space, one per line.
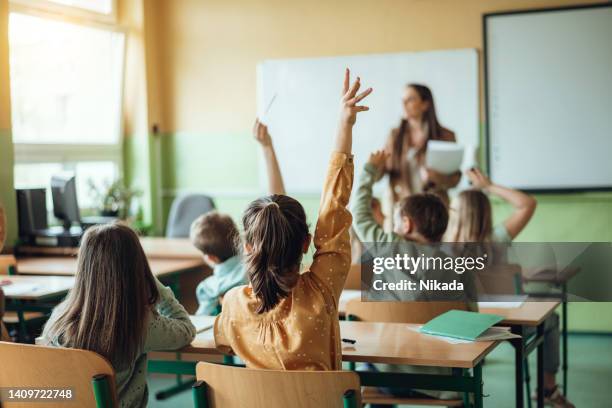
398, 172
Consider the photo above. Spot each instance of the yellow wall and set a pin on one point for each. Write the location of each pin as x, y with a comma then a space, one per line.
209, 48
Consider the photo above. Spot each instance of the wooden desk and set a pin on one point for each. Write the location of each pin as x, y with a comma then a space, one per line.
389, 343
67, 266
170, 248
154, 247
530, 314
37, 294
35, 287
392, 343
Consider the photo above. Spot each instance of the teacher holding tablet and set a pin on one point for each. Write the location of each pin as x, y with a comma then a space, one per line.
407, 145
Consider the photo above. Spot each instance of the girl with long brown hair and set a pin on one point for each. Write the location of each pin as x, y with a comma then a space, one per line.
407, 145
284, 319
471, 218
118, 309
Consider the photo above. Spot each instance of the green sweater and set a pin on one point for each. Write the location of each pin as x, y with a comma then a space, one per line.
366, 227
169, 328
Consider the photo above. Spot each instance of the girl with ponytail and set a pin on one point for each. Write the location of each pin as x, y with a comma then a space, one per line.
285, 319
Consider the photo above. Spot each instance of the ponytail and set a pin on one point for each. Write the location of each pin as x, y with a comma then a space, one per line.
275, 228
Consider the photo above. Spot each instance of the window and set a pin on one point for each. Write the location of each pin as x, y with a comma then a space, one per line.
66, 92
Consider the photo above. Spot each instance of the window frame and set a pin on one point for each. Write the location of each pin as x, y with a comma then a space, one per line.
64, 11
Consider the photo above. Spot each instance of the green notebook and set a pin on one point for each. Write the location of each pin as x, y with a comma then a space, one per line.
460, 324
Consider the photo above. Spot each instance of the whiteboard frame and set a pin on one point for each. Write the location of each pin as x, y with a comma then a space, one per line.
485, 18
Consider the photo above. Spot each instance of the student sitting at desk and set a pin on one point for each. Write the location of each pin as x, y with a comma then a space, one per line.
214, 234
422, 219
286, 320
118, 309
472, 221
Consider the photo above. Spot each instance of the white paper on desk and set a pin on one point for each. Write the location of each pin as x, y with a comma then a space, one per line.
499, 305
202, 323
444, 157
17, 289
503, 302
450, 340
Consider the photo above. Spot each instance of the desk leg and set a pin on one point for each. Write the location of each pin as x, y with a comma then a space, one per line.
478, 392
564, 338
541, 367
519, 358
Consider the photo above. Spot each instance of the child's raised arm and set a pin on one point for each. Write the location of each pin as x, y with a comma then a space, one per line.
332, 259
524, 205
275, 178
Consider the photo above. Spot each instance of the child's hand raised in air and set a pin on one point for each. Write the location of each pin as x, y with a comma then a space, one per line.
477, 179
378, 159
260, 132
350, 99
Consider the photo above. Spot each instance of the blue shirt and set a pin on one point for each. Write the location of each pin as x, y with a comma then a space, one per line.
226, 275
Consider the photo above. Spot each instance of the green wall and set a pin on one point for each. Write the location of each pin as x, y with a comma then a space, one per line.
7, 185
226, 166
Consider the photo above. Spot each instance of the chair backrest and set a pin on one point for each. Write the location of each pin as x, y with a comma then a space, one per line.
8, 264
399, 312
236, 387
90, 377
184, 210
503, 279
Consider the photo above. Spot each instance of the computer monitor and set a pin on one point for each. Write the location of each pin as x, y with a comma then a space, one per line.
31, 211
65, 204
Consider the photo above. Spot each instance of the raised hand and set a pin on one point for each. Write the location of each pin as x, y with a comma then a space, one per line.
260, 133
477, 179
378, 159
350, 99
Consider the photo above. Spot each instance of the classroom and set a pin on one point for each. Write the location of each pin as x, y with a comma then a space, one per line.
393, 203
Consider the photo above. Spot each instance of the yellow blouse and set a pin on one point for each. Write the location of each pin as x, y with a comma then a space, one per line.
302, 331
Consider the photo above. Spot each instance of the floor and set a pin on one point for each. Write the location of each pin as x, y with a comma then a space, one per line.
590, 374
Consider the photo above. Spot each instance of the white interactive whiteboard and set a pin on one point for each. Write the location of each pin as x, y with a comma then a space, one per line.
304, 115
549, 98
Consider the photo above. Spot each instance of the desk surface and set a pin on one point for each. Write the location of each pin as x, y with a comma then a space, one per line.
529, 314
35, 287
67, 266
154, 247
170, 248
391, 343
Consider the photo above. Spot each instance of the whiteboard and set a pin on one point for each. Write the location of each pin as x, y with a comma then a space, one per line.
550, 98
304, 115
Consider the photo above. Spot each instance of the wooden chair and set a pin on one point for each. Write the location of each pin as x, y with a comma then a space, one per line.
8, 266
237, 387
89, 376
401, 312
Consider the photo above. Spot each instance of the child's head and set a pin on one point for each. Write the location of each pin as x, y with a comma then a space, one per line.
214, 234
275, 239
422, 217
113, 293
471, 218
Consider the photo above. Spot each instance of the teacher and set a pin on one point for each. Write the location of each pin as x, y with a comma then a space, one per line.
407, 144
